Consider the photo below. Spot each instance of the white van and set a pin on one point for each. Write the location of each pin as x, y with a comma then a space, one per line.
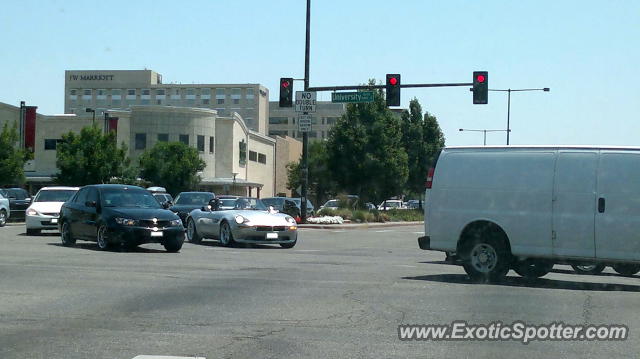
526, 208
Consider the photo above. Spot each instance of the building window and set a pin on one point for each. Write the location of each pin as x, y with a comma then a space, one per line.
250, 95
220, 96
163, 137
131, 92
242, 145
235, 95
278, 133
262, 158
175, 95
184, 139
141, 141
205, 101
146, 92
253, 156
160, 92
200, 143
86, 92
278, 120
205, 92
331, 120
211, 144
51, 143
73, 92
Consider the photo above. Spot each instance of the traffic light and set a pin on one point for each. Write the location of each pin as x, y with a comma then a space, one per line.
286, 92
480, 87
393, 89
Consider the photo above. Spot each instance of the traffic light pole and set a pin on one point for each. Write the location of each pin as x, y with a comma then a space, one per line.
305, 135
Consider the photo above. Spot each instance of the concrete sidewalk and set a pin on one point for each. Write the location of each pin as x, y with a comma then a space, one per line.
359, 225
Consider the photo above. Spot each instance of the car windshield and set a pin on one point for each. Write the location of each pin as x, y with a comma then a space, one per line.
129, 198
54, 195
195, 199
16, 193
253, 204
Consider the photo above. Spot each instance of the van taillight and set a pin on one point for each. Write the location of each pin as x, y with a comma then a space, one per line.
429, 182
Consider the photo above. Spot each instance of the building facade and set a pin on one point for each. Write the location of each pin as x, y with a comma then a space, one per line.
283, 120
106, 90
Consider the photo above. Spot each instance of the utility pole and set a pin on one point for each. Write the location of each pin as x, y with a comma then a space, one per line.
305, 135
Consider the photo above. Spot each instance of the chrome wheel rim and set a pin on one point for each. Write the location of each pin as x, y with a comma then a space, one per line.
483, 258
3, 218
102, 241
190, 230
224, 234
65, 232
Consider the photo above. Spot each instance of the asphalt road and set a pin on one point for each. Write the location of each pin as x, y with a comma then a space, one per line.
337, 294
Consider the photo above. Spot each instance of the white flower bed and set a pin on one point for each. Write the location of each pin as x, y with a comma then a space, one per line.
325, 220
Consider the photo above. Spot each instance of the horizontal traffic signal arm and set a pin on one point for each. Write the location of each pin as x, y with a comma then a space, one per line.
365, 87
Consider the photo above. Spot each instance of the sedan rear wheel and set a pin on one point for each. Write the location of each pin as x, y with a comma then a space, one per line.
103, 241
3, 217
66, 236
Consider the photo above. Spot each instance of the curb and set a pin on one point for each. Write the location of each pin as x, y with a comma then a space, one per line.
359, 225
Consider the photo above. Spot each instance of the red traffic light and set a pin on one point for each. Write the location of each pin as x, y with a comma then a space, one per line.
393, 81
480, 78
285, 83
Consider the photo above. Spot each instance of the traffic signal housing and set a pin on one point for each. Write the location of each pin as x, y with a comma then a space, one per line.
480, 87
393, 89
286, 92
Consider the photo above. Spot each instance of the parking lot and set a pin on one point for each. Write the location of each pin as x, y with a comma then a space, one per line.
337, 294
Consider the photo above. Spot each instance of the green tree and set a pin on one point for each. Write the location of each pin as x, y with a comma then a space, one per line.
172, 165
365, 152
12, 158
320, 182
91, 157
422, 140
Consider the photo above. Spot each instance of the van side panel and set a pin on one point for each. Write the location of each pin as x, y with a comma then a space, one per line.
618, 226
512, 188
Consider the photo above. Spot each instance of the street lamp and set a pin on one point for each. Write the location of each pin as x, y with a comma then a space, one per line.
484, 131
94, 115
509, 91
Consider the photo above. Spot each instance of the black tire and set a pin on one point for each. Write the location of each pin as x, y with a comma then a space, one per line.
532, 268
33, 232
192, 232
65, 235
626, 269
588, 269
102, 239
173, 245
226, 236
289, 245
486, 256
3, 217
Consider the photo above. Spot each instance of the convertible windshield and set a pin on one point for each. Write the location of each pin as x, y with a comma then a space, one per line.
54, 195
122, 198
197, 199
250, 204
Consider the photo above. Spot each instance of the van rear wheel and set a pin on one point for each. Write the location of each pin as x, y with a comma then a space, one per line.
533, 268
486, 260
626, 269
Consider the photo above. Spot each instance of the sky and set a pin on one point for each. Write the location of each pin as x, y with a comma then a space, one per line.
586, 52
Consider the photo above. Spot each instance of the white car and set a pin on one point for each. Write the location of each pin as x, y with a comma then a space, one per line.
391, 204
44, 211
5, 212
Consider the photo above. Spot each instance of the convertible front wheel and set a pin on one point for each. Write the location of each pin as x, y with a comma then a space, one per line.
192, 232
226, 237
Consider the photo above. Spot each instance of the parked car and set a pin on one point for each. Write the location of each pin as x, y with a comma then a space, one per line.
44, 211
112, 214
250, 221
413, 204
331, 204
160, 193
19, 201
581, 207
188, 201
390, 204
284, 205
5, 210
310, 207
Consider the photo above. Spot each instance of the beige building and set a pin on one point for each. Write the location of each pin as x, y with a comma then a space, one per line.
105, 90
238, 159
283, 120
288, 150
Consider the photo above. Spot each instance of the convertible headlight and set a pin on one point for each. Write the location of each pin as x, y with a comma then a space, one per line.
290, 220
126, 221
32, 212
240, 219
176, 223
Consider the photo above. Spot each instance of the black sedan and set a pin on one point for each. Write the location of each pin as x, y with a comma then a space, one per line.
119, 214
188, 201
19, 201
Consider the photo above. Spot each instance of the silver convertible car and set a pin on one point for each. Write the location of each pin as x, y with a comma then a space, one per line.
249, 221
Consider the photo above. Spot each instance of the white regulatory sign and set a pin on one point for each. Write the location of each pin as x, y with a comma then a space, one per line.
304, 123
306, 101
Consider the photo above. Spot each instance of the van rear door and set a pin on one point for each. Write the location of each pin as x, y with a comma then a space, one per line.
618, 205
574, 204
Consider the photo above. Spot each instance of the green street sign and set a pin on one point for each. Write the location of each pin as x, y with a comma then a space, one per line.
356, 97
